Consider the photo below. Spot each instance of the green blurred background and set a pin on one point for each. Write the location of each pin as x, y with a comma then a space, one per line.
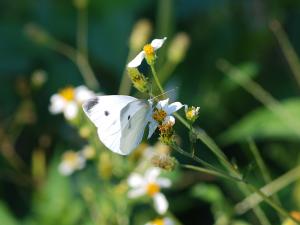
238, 31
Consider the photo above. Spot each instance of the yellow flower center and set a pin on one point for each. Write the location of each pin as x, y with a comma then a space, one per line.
159, 115
152, 189
67, 93
158, 222
190, 114
148, 49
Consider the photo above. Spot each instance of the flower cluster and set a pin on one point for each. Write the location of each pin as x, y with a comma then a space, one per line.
150, 185
69, 100
163, 119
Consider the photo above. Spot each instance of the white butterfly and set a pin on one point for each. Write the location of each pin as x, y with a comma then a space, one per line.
120, 120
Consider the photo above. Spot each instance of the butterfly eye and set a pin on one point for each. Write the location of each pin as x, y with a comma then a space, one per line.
106, 113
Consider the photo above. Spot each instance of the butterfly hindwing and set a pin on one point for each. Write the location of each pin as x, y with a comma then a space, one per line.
120, 120
134, 118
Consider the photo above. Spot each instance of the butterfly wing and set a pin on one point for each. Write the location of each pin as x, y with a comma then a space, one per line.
104, 112
134, 118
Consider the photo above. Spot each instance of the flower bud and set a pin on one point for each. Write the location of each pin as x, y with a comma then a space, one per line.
80, 4
191, 113
164, 161
38, 78
85, 131
140, 34
139, 81
178, 47
88, 152
166, 133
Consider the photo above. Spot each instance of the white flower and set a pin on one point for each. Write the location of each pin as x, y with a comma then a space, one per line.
163, 114
71, 161
150, 184
148, 49
68, 101
161, 221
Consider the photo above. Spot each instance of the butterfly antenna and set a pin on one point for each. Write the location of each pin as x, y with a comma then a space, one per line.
162, 94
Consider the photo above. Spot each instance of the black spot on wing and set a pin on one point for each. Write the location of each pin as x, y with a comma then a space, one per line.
106, 113
128, 117
90, 104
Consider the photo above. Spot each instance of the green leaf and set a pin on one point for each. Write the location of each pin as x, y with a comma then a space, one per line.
262, 123
207, 192
56, 202
5, 216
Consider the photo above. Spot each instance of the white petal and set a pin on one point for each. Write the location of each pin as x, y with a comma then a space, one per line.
57, 104
152, 173
135, 180
71, 110
152, 127
168, 221
65, 169
173, 107
164, 182
137, 192
169, 119
137, 60
162, 104
160, 203
157, 43
82, 93
186, 108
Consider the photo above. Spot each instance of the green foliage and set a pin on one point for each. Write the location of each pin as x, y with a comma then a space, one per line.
5, 215
262, 123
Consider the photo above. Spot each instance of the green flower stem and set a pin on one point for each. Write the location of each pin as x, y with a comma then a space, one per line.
200, 161
287, 49
211, 172
156, 79
270, 202
262, 167
82, 21
209, 142
40, 36
269, 189
259, 93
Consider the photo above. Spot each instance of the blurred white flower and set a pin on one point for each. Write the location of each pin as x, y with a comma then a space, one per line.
148, 50
150, 184
68, 101
161, 221
71, 161
163, 114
